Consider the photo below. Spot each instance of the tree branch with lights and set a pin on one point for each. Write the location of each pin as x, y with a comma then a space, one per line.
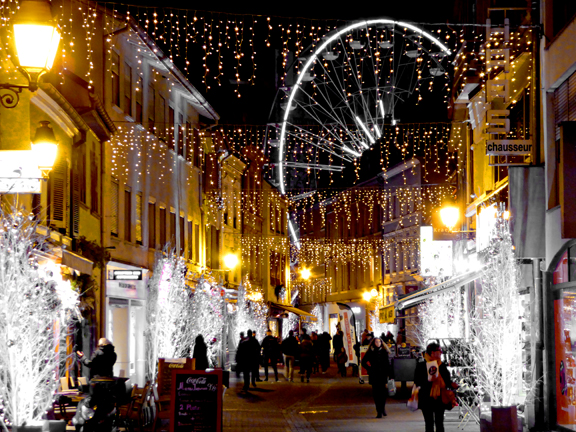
35, 306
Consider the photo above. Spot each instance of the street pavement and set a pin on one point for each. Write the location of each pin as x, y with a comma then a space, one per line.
329, 403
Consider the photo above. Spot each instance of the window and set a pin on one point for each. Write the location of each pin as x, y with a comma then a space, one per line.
139, 218
115, 76
94, 190
161, 111
182, 237
58, 195
151, 109
189, 142
139, 96
181, 135
127, 90
80, 174
128, 215
114, 198
162, 227
189, 243
152, 225
196, 243
173, 228
170, 128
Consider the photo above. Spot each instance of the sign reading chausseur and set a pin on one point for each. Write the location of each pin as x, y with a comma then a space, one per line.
126, 274
498, 94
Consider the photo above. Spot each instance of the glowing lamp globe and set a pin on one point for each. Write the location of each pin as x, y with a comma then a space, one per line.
44, 147
367, 296
374, 292
449, 216
230, 261
305, 274
36, 36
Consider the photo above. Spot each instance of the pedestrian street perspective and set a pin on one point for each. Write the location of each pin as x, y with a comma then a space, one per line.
287, 216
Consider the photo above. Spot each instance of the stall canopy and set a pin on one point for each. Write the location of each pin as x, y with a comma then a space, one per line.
305, 316
419, 296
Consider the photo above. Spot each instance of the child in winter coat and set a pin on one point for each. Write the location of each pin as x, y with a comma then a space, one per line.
341, 359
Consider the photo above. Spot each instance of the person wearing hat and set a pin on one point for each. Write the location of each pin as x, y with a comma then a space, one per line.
102, 362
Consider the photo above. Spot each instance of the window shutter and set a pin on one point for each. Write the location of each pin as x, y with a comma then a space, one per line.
76, 179
114, 208
139, 218
58, 196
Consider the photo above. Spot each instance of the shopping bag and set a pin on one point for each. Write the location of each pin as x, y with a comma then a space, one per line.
412, 403
391, 387
449, 399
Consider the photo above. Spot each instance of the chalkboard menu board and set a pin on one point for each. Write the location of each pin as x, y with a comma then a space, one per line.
196, 401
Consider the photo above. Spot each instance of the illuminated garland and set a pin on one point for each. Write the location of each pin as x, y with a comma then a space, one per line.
315, 290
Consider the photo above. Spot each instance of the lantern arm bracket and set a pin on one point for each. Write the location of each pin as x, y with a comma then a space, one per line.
10, 94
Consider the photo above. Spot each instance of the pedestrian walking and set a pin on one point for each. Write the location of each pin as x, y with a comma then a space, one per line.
431, 386
255, 357
290, 351
338, 343
200, 353
324, 342
271, 353
315, 353
247, 358
239, 368
341, 360
306, 356
376, 362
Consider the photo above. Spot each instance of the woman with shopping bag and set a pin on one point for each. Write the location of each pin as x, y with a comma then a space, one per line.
376, 362
433, 378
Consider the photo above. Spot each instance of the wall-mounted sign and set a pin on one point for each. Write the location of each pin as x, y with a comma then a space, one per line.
126, 274
387, 314
19, 172
436, 256
508, 147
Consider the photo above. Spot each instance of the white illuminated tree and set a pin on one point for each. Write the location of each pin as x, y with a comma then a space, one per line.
167, 311
440, 317
496, 322
251, 312
35, 305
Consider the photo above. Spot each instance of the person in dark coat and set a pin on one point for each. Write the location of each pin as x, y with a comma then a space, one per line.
290, 350
429, 396
200, 353
338, 343
102, 362
248, 359
271, 353
375, 361
306, 358
324, 351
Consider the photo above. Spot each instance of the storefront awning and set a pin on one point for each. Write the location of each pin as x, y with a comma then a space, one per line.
302, 314
77, 262
414, 298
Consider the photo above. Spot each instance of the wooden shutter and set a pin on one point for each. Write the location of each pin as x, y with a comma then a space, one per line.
114, 192
139, 218
76, 179
58, 194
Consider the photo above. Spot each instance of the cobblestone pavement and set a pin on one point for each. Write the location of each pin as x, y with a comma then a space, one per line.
328, 403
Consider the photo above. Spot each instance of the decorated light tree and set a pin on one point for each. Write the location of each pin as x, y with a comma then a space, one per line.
440, 317
167, 311
252, 311
205, 317
496, 322
317, 326
35, 305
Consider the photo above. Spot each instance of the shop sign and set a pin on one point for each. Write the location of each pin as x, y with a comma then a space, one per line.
126, 274
387, 314
498, 93
18, 172
436, 257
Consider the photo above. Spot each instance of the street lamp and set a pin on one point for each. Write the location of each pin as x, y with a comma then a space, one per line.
305, 273
450, 216
36, 39
230, 261
44, 148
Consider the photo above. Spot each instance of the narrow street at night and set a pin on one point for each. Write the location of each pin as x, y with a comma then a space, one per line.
328, 403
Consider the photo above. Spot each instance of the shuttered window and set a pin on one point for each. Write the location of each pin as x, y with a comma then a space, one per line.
173, 229
138, 96
565, 103
189, 238
162, 227
58, 194
151, 109
94, 190
170, 128
114, 198
128, 215
181, 236
115, 76
127, 90
152, 225
196, 243
139, 218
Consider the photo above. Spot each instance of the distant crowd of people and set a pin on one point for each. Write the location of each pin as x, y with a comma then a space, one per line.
312, 351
